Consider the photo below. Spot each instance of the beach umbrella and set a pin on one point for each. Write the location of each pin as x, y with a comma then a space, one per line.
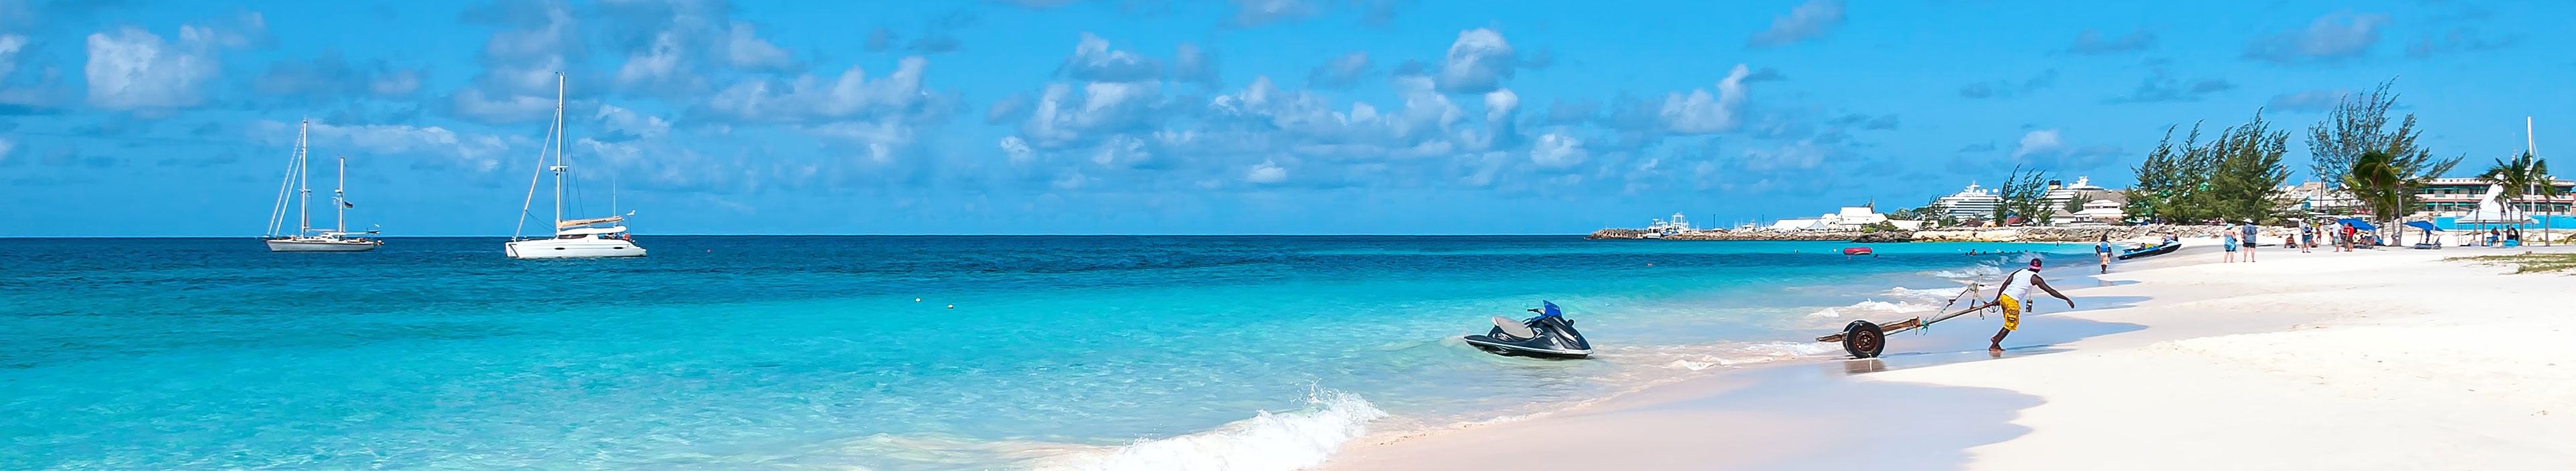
2357, 223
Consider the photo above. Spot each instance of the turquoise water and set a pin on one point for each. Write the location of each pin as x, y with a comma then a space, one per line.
812, 352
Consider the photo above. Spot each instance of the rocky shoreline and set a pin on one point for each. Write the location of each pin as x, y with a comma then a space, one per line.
1965, 234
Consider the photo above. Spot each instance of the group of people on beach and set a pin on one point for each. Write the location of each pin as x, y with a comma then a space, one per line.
2245, 237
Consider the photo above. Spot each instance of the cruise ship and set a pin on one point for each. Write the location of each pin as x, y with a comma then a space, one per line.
1971, 203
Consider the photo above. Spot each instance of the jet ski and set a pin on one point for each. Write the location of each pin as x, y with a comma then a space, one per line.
1550, 335
2150, 251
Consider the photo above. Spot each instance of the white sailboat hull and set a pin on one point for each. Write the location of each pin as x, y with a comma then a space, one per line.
572, 248
321, 245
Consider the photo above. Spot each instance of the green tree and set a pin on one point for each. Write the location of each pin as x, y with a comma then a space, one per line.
2245, 183
2171, 178
2358, 124
2386, 188
2024, 194
2514, 179
2524, 176
2548, 190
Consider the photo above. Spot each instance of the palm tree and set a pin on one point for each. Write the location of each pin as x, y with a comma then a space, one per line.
2513, 178
2377, 182
2546, 189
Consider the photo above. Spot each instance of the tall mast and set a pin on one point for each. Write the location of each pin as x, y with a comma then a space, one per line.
559, 166
339, 198
2529, 144
304, 202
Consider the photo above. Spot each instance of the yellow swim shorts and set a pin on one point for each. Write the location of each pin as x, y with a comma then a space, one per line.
2012, 312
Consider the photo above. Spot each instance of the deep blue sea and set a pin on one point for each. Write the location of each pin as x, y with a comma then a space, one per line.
881, 353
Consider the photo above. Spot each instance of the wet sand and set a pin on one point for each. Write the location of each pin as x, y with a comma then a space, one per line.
2378, 359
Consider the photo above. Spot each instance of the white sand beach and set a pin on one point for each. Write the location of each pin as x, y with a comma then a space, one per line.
2377, 359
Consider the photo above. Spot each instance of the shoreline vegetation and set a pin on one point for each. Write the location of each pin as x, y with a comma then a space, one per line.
1963, 234
2365, 164
2526, 262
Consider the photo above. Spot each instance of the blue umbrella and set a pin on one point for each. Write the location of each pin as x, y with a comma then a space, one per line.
2426, 226
2358, 224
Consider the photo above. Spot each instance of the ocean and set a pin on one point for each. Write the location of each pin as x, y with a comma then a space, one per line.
875, 352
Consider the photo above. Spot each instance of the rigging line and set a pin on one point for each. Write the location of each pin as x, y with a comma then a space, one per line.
277, 209
533, 177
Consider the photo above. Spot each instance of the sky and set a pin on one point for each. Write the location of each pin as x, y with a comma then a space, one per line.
166, 118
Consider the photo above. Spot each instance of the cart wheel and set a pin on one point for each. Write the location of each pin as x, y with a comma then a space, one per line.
1864, 339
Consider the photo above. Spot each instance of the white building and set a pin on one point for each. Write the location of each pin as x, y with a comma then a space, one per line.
1849, 218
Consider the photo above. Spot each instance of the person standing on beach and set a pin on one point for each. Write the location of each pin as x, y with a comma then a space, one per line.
2011, 296
2227, 239
2103, 249
2250, 239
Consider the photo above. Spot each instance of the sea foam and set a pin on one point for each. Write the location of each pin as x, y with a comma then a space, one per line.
1873, 306
1267, 441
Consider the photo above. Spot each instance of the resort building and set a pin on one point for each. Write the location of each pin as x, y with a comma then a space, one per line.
2458, 196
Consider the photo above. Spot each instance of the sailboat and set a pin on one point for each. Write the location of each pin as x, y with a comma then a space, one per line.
306, 238
574, 238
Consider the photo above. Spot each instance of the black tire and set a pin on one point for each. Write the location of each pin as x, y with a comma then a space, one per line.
1864, 339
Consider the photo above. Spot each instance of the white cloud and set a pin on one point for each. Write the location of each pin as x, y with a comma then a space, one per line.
10, 44
1500, 103
881, 140
395, 83
1340, 72
660, 66
808, 97
747, 51
481, 152
628, 121
1557, 150
1477, 62
2331, 37
1808, 20
472, 102
519, 66
1425, 109
2044, 141
1799, 156
1122, 151
1062, 118
1700, 112
1094, 61
134, 68
1267, 172
1018, 149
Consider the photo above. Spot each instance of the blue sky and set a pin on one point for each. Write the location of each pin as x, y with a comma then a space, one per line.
1178, 116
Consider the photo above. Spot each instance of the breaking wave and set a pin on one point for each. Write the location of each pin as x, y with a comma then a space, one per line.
1265, 442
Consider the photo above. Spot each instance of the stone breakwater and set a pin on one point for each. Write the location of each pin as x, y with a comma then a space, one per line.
1964, 234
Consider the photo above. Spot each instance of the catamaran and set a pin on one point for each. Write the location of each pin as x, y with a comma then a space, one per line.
574, 238
306, 238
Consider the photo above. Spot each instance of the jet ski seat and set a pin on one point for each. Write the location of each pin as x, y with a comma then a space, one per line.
1514, 328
